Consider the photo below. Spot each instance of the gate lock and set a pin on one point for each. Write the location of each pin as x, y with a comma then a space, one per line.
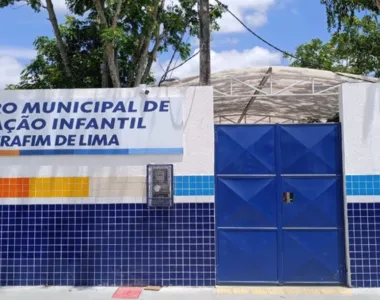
287, 197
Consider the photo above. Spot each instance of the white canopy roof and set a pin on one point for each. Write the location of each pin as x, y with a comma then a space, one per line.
274, 94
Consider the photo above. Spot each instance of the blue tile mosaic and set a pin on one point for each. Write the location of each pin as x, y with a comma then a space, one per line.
107, 244
363, 185
194, 185
364, 243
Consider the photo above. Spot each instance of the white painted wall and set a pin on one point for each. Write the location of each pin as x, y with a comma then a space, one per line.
360, 117
198, 158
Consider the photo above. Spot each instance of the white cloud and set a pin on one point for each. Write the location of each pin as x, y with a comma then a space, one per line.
11, 67
15, 52
9, 71
60, 6
225, 60
256, 19
252, 12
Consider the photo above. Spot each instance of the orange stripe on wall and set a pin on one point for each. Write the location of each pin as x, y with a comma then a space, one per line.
9, 152
14, 187
38, 187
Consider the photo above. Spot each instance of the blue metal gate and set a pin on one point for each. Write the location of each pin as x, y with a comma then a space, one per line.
279, 204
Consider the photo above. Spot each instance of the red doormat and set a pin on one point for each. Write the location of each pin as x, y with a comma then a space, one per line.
127, 293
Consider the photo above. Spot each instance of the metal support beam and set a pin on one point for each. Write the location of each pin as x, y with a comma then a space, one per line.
261, 85
219, 92
328, 89
289, 87
229, 120
275, 95
262, 119
257, 90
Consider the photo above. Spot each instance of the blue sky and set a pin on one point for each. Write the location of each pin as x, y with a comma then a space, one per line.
286, 23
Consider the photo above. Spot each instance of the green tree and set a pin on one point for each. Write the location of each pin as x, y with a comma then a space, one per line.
318, 55
355, 50
113, 44
84, 48
341, 11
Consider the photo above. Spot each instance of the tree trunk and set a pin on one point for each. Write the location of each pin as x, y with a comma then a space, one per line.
135, 57
108, 47
151, 58
377, 3
60, 44
204, 40
142, 61
104, 71
117, 62
112, 65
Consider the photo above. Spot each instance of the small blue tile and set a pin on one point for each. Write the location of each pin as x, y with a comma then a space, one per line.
363, 229
112, 240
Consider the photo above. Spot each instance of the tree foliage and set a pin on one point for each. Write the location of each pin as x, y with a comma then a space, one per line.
114, 42
318, 55
84, 49
355, 50
355, 43
332, 119
340, 11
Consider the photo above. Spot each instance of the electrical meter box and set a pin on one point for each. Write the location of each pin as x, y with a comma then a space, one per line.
160, 185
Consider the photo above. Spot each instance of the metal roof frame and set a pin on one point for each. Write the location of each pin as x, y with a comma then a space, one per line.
274, 94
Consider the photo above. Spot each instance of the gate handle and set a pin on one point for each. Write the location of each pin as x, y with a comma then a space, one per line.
287, 197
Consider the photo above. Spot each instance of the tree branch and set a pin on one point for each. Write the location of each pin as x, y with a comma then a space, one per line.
108, 46
152, 56
141, 63
100, 10
104, 71
117, 13
377, 3
60, 44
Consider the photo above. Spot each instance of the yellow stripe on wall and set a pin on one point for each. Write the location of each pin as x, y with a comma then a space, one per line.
47, 187
278, 290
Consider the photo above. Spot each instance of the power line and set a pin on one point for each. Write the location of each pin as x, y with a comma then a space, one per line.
267, 43
168, 70
185, 61
180, 65
178, 57
255, 34
163, 77
224, 6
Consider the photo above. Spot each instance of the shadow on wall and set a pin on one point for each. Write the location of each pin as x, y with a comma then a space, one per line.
371, 96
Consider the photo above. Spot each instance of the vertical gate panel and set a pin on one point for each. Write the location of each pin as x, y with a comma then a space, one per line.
246, 204
313, 256
313, 235
247, 256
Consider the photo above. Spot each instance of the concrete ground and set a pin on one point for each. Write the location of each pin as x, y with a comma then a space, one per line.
105, 293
